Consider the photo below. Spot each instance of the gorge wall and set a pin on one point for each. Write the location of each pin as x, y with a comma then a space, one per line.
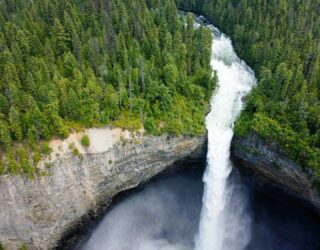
39, 212
266, 165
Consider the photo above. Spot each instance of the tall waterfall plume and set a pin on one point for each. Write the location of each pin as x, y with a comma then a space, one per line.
224, 223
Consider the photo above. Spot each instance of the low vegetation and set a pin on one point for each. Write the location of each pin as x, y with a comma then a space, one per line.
85, 141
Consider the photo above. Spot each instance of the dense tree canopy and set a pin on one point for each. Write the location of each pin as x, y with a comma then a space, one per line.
280, 40
82, 63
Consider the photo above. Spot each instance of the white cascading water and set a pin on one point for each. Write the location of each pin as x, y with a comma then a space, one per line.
224, 222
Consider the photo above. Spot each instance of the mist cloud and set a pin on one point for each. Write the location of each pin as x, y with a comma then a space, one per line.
164, 216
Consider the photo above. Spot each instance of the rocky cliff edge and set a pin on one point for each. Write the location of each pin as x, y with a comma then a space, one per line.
269, 167
38, 212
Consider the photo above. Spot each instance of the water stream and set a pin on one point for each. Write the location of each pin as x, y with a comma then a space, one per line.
224, 223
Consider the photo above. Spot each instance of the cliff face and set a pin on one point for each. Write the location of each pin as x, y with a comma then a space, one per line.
270, 168
38, 212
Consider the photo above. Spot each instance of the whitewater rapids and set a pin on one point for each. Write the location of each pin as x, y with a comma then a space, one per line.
224, 223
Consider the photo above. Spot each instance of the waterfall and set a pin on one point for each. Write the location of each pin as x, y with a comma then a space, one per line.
156, 219
224, 223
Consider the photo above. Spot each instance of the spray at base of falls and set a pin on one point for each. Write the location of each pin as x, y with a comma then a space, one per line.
224, 223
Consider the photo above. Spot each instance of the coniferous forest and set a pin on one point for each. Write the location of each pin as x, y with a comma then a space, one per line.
71, 64
280, 40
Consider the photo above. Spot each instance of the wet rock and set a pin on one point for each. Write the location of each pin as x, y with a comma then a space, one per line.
266, 165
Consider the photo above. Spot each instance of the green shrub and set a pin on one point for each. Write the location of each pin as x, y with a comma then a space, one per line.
23, 247
45, 148
36, 157
2, 170
24, 160
85, 141
149, 125
125, 121
13, 165
75, 152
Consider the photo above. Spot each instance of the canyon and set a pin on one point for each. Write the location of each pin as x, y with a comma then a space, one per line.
42, 212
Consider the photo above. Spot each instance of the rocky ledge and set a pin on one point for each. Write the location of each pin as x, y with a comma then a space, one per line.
79, 182
273, 171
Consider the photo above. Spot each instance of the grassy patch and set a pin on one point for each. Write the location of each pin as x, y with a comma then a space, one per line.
85, 141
